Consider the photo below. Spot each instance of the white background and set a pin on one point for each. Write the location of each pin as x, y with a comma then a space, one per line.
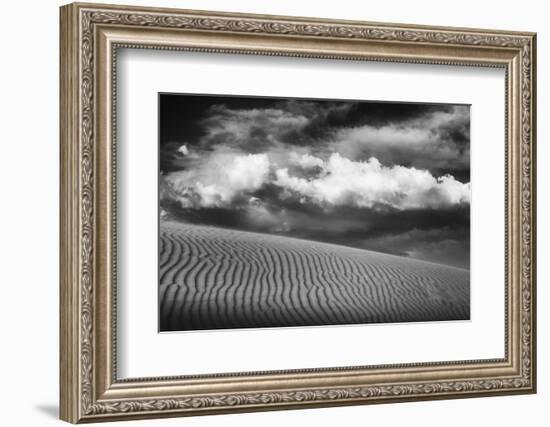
29, 171
141, 348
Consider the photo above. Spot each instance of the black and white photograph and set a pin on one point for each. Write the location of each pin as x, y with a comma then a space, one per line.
280, 212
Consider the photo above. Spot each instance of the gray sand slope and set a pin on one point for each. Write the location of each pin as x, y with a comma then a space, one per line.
212, 278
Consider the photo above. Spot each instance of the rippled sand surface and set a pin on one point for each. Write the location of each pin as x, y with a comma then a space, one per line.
213, 278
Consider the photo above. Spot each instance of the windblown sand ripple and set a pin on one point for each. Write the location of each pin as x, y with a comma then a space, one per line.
213, 278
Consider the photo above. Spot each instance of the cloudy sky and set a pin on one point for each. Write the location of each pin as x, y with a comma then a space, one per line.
390, 177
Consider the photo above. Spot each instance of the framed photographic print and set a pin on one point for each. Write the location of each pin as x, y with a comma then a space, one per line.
265, 212
290, 212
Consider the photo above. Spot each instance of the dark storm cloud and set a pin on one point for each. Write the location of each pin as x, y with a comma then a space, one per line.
426, 136
447, 245
390, 177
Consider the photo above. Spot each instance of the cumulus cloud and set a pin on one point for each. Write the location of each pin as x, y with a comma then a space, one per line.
368, 184
226, 177
306, 161
183, 150
438, 141
219, 180
380, 163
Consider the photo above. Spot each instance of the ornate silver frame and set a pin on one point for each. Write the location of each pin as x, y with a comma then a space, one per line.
90, 36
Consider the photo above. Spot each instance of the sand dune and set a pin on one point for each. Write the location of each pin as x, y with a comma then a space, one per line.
212, 278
